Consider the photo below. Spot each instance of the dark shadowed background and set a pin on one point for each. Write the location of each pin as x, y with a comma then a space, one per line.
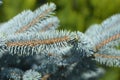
73, 14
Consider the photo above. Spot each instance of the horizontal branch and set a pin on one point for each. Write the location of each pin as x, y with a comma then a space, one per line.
106, 56
38, 42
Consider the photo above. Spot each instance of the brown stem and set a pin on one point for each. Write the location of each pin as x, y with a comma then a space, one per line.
36, 42
34, 21
107, 41
106, 56
45, 77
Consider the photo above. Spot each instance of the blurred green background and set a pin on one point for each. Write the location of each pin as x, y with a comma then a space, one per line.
73, 14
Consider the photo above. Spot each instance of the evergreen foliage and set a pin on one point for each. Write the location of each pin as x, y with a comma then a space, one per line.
34, 42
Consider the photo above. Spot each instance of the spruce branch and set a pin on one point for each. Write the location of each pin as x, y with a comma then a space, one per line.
106, 25
106, 56
41, 18
50, 23
114, 37
39, 14
16, 23
60, 45
51, 54
108, 36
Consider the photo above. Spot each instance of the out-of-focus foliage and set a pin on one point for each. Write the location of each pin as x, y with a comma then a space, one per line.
73, 14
